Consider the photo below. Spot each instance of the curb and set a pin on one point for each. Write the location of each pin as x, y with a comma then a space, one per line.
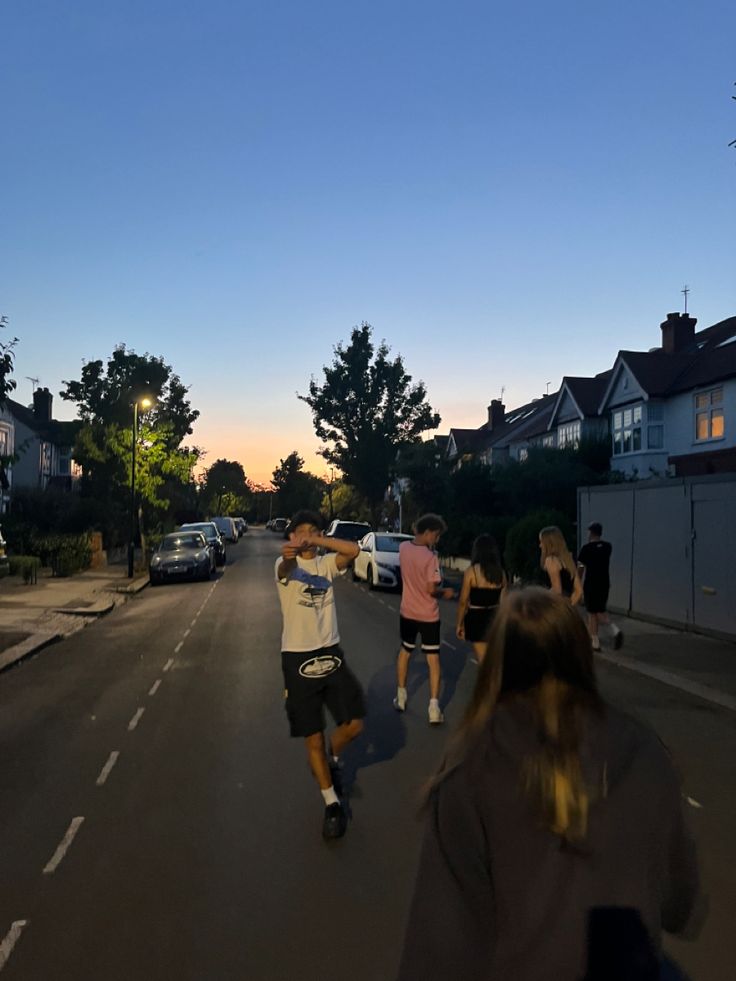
705, 692
31, 645
96, 610
135, 586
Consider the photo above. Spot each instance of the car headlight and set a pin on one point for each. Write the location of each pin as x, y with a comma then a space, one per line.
156, 560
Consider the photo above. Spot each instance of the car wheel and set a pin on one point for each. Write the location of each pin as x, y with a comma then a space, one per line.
369, 577
153, 580
355, 573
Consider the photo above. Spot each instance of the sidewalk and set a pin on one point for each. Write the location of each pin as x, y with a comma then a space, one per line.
694, 663
31, 617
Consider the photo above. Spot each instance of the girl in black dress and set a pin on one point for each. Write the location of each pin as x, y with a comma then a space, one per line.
484, 583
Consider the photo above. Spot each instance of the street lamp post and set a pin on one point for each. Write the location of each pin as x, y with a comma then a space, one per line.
144, 403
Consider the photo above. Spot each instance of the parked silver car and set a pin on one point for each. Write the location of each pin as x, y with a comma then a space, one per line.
182, 555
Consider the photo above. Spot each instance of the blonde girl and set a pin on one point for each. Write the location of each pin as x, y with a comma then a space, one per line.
559, 565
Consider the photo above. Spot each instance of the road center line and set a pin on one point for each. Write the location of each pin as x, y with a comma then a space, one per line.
63, 848
168, 664
193, 621
178, 647
187, 632
392, 608
694, 803
10, 940
382, 602
136, 719
105, 771
448, 644
154, 687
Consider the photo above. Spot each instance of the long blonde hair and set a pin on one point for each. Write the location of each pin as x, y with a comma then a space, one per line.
553, 544
539, 654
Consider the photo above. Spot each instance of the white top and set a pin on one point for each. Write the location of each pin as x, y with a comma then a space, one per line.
308, 604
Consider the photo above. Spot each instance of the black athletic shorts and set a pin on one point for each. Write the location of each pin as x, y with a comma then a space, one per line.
595, 598
315, 680
428, 631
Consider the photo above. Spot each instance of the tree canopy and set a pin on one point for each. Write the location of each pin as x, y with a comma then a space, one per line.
7, 364
365, 409
104, 397
225, 488
295, 488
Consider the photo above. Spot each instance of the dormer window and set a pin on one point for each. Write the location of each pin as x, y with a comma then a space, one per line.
709, 421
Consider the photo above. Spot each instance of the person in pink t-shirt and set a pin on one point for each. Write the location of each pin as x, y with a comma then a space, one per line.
420, 611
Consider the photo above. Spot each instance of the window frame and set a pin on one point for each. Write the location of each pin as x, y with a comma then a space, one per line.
710, 409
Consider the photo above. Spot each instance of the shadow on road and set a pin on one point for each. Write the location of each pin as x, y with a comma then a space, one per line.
384, 731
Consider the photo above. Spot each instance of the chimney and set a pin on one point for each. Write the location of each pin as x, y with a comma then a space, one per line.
42, 399
678, 330
496, 414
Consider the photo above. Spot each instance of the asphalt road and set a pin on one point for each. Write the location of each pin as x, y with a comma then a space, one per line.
156, 822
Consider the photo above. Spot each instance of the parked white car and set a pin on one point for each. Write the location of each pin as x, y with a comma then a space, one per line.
378, 560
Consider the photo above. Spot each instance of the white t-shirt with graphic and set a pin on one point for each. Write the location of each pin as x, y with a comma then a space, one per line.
307, 599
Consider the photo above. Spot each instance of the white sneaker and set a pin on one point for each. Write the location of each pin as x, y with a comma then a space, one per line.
400, 700
435, 714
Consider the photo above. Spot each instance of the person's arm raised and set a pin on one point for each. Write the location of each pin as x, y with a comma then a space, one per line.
345, 552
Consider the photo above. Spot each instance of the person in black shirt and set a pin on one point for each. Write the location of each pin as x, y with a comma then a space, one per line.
595, 558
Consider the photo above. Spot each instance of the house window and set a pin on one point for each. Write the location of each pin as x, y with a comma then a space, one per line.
709, 422
626, 430
65, 460
523, 454
548, 441
569, 435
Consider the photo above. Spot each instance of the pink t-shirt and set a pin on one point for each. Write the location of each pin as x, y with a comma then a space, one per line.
419, 566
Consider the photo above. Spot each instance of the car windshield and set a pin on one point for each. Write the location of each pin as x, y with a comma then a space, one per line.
390, 543
349, 531
172, 543
207, 529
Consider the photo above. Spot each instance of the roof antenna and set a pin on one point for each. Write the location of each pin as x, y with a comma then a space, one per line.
503, 390
685, 292
34, 382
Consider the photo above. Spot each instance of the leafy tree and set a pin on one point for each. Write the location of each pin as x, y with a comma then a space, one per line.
225, 489
7, 364
104, 396
295, 488
365, 410
340, 500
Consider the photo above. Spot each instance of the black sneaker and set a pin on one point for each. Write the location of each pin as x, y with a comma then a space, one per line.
336, 775
335, 823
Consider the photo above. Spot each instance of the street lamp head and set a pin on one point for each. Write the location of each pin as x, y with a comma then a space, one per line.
146, 403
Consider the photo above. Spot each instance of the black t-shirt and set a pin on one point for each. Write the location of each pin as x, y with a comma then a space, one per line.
595, 556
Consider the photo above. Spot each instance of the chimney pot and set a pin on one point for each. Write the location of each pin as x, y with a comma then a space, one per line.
496, 414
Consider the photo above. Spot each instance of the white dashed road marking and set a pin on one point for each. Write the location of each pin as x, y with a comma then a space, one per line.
136, 719
187, 632
193, 621
392, 608
694, 803
105, 771
154, 687
448, 644
64, 847
178, 647
168, 664
10, 940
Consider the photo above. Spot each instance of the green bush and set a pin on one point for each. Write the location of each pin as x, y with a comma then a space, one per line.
521, 556
26, 566
66, 554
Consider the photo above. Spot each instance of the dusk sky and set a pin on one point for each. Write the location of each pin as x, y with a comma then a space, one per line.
507, 192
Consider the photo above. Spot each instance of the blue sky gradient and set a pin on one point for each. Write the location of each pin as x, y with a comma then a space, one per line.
507, 193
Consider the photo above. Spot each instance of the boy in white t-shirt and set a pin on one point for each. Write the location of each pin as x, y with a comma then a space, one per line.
315, 673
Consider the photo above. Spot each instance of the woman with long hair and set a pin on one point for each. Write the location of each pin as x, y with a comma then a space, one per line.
484, 582
549, 808
558, 565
